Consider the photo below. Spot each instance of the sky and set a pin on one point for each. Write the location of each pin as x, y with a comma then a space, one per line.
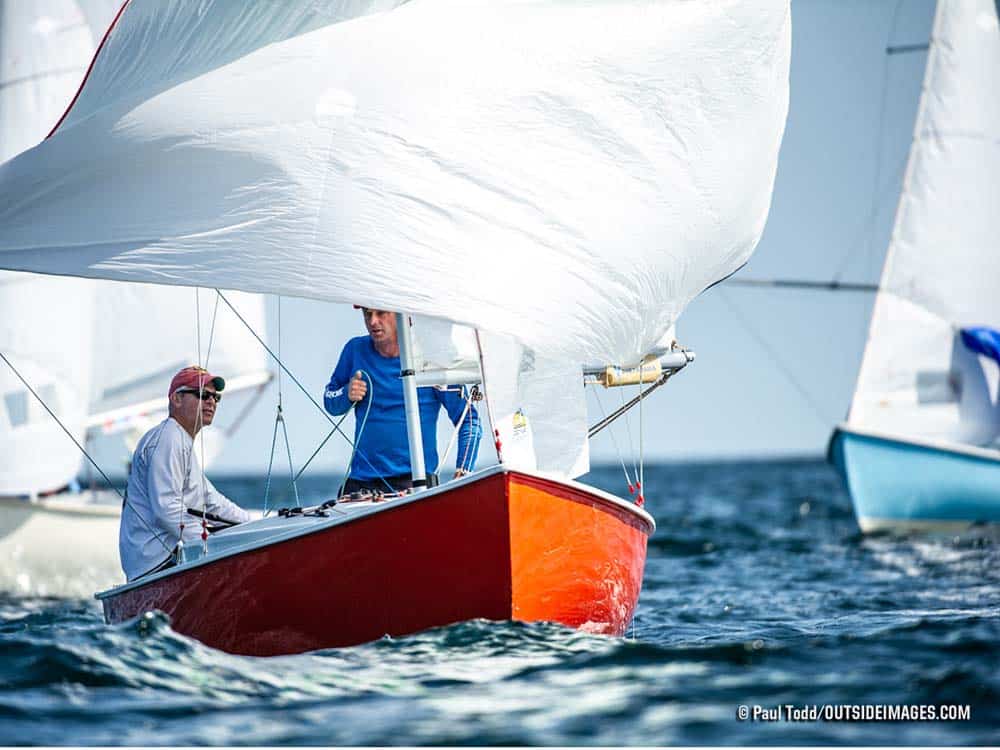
775, 369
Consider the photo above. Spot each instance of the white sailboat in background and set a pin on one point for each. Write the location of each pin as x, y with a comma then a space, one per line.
84, 345
920, 446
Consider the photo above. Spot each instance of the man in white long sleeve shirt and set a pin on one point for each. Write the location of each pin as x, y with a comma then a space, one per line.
166, 479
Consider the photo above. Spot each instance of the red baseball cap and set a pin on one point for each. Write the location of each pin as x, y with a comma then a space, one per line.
195, 377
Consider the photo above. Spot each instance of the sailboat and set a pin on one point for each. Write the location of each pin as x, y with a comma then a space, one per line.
553, 181
57, 538
919, 450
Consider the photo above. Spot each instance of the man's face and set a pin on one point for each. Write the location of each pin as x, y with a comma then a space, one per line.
192, 411
381, 325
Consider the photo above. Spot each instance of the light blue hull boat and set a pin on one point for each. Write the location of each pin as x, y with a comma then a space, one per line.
903, 486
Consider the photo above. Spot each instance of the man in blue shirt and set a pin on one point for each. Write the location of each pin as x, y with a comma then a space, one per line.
367, 374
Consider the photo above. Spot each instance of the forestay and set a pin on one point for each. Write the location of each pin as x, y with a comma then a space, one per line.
942, 271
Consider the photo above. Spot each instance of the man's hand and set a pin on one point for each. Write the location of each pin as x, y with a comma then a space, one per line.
358, 388
460, 473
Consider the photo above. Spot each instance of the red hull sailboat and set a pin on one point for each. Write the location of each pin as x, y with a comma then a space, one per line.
546, 216
499, 545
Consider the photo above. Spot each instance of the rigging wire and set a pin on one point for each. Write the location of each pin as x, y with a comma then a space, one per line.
640, 499
279, 419
817, 411
614, 439
454, 435
325, 440
282, 367
489, 407
361, 431
123, 496
631, 444
211, 332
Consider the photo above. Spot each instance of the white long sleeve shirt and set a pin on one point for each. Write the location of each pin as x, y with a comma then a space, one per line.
165, 480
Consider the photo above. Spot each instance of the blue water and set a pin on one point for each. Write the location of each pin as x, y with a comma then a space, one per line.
758, 591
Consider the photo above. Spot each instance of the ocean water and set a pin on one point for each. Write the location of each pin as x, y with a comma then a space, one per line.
758, 592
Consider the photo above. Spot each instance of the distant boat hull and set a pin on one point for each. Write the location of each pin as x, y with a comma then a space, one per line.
63, 545
904, 486
502, 545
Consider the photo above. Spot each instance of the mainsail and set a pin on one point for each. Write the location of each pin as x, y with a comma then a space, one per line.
942, 269
564, 175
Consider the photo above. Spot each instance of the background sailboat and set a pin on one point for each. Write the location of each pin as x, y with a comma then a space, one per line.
104, 381
919, 448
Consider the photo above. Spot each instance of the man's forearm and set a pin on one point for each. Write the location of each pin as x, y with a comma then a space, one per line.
335, 399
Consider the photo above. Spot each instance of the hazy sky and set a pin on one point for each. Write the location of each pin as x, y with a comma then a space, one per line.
775, 369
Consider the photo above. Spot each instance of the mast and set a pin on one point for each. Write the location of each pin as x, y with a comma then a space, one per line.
407, 371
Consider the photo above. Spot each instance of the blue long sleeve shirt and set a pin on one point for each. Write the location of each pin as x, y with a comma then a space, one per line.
382, 447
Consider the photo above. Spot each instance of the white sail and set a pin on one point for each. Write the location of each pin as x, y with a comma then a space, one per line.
45, 323
942, 270
591, 166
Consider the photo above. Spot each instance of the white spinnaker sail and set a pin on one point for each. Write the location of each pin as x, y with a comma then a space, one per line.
942, 270
568, 175
45, 323
571, 174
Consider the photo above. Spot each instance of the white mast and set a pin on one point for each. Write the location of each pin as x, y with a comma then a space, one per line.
410, 401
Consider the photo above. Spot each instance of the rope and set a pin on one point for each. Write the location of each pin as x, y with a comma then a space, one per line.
86, 455
489, 406
817, 411
281, 366
211, 332
279, 418
315, 453
278, 358
628, 431
291, 470
270, 463
640, 500
361, 431
614, 440
474, 395
454, 437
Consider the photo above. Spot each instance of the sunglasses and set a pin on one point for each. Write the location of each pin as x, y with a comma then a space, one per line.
204, 395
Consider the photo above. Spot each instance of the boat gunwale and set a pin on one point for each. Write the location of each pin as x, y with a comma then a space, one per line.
960, 449
66, 506
324, 524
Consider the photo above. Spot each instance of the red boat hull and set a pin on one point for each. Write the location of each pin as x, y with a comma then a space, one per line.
506, 546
